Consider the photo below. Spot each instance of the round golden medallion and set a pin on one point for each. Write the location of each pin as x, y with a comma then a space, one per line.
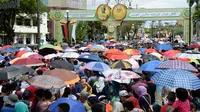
103, 12
119, 12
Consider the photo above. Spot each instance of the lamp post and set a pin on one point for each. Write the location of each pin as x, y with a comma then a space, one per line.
68, 25
38, 20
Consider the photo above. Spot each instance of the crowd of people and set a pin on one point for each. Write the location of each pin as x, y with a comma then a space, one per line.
95, 93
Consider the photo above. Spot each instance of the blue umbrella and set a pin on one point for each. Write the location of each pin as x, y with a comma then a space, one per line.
142, 50
89, 58
150, 66
97, 66
6, 50
164, 47
75, 106
176, 78
1, 58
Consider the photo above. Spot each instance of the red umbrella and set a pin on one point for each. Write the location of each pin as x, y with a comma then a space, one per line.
36, 56
28, 62
120, 56
6, 46
171, 53
113, 51
20, 53
193, 46
150, 50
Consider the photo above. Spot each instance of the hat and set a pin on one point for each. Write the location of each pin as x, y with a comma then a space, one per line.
83, 94
102, 97
123, 93
12, 99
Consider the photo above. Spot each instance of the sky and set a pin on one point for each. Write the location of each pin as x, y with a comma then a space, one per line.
93, 4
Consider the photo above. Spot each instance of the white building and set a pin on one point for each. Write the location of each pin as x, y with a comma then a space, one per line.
26, 30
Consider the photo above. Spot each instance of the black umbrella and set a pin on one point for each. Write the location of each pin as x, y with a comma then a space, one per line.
13, 71
62, 64
47, 51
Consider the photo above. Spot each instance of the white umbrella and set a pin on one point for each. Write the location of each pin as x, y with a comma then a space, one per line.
50, 56
70, 55
188, 55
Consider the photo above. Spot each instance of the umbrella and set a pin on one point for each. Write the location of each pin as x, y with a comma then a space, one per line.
58, 48
150, 66
177, 64
193, 46
164, 47
20, 53
132, 52
62, 64
97, 48
194, 61
121, 64
47, 46
149, 58
89, 58
84, 49
19, 45
26, 48
67, 76
134, 63
36, 56
46, 81
6, 50
121, 56
27, 54
142, 50
96, 66
150, 50
1, 58
120, 76
68, 49
171, 53
50, 56
46, 51
177, 79
158, 55
27, 62
13, 71
188, 55
6, 46
89, 46
74, 105
70, 55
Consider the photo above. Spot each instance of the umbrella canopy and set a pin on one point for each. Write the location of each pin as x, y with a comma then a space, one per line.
28, 54
67, 76
20, 53
142, 50
177, 79
171, 53
164, 47
13, 71
1, 58
58, 48
113, 51
74, 105
6, 46
120, 76
19, 45
132, 52
96, 66
89, 58
47, 46
150, 50
70, 55
46, 81
121, 56
62, 64
46, 51
68, 49
89, 46
36, 56
27, 62
188, 55
156, 54
26, 48
7, 50
50, 56
97, 48
177, 64
121, 64
149, 58
193, 46
150, 66
84, 49
134, 63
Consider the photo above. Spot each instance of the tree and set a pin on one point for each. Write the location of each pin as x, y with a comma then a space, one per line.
25, 8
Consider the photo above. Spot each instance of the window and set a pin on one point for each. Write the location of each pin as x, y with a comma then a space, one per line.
27, 22
19, 21
28, 40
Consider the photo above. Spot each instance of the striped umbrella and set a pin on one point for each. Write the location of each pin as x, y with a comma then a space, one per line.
177, 79
177, 64
96, 66
121, 64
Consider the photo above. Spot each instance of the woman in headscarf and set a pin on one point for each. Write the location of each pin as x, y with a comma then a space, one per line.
117, 107
144, 99
21, 107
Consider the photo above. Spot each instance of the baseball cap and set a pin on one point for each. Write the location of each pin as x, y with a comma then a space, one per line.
123, 93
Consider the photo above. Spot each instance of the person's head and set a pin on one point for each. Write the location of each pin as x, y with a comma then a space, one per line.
47, 95
123, 95
98, 107
142, 90
11, 100
182, 94
83, 96
92, 99
67, 92
128, 106
171, 97
5, 90
39, 72
192, 107
39, 93
118, 107
196, 93
63, 107
21, 107
102, 98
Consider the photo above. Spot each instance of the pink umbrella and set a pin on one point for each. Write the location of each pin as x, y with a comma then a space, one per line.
134, 63
36, 56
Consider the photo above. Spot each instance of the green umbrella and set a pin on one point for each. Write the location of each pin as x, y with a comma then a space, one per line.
47, 46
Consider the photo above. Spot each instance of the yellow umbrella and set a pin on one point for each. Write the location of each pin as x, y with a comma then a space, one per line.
58, 48
195, 61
